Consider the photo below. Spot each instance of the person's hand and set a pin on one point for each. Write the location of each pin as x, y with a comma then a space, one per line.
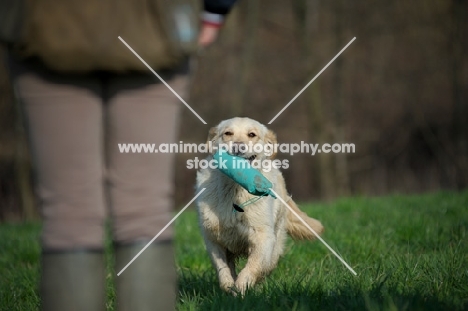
208, 34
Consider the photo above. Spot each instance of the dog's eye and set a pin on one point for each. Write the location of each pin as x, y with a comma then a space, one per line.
252, 134
228, 133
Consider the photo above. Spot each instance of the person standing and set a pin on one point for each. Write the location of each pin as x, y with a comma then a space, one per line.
82, 92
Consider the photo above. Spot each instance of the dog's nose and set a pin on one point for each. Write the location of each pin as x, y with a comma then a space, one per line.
238, 148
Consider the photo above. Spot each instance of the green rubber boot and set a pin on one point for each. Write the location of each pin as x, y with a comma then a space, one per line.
148, 283
73, 281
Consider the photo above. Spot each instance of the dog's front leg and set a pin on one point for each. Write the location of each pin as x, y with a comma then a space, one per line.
260, 260
218, 255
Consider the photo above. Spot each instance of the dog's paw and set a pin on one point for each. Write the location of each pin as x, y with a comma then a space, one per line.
231, 290
244, 281
228, 286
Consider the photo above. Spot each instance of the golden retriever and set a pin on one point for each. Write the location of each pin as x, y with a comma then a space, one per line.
259, 233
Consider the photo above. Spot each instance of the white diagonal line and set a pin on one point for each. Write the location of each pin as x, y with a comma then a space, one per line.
162, 230
154, 72
326, 66
315, 233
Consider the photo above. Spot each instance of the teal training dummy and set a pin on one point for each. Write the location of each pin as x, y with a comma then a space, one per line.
240, 170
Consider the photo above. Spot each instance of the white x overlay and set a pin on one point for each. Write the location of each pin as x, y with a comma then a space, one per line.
203, 121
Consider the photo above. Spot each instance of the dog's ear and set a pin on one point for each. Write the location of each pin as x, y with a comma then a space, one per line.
212, 134
270, 139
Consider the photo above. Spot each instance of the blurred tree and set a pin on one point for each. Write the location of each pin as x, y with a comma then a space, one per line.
243, 73
339, 113
307, 18
16, 196
459, 41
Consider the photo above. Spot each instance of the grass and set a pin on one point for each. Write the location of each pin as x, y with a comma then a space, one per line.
410, 253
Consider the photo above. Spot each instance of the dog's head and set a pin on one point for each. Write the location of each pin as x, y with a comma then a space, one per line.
245, 138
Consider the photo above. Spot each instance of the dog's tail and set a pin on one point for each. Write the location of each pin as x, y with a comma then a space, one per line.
296, 228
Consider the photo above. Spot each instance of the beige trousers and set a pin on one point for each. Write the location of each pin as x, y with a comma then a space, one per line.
75, 123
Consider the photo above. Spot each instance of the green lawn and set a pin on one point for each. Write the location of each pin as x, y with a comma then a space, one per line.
410, 253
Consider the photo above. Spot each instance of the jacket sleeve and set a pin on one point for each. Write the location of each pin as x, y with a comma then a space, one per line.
216, 10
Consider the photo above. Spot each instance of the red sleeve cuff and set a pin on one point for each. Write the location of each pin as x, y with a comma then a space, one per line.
210, 24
